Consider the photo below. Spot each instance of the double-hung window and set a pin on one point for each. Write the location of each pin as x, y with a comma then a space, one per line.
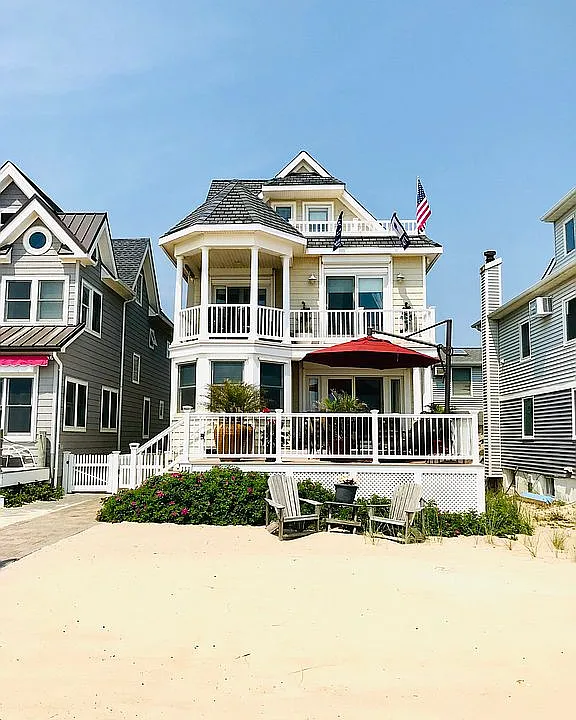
570, 319
569, 236
109, 410
34, 301
528, 417
16, 399
186, 386
272, 384
92, 309
525, 346
75, 404
318, 217
462, 382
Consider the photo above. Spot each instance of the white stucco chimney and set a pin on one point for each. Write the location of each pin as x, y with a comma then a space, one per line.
490, 300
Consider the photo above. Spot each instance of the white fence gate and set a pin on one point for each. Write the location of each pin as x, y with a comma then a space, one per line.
108, 473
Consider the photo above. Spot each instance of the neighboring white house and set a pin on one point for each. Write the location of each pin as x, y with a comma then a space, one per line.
466, 387
263, 287
529, 360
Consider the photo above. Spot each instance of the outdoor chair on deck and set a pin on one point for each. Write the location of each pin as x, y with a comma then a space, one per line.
283, 496
405, 503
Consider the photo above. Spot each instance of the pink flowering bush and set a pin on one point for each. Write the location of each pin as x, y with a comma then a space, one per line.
223, 495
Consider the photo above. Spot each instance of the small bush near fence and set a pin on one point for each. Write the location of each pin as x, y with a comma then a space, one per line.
21, 494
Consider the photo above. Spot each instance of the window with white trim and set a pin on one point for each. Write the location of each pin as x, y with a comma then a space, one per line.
139, 290
285, 211
186, 386
75, 404
161, 410
91, 309
136, 368
16, 401
152, 344
461, 381
145, 418
528, 417
33, 301
37, 240
569, 236
109, 410
525, 344
570, 319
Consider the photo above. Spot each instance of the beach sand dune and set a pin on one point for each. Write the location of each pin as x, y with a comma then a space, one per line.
150, 622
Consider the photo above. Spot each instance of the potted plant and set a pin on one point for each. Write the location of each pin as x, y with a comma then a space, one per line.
234, 436
346, 490
342, 433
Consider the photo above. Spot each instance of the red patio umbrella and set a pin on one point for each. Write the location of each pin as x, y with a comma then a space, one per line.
370, 352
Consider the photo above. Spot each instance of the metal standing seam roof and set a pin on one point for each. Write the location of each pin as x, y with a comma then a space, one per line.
128, 254
43, 337
235, 205
84, 226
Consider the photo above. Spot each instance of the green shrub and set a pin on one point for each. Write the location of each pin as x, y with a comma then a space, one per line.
21, 494
503, 518
223, 495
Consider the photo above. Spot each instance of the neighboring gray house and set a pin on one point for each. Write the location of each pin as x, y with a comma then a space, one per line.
83, 341
529, 361
466, 381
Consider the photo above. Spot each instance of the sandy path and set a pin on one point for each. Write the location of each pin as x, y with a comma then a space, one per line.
134, 621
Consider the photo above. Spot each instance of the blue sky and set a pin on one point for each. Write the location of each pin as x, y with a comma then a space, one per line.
133, 107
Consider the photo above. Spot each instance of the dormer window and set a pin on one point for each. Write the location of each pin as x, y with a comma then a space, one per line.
569, 236
37, 241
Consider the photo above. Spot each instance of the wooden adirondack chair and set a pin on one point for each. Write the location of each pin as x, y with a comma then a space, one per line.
283, 497
405, 503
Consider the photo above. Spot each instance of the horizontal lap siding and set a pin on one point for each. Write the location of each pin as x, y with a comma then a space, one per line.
552, 448
411, 289
12, 198
97, 362
462, 404
560, 255
154, 376
300, 289
551, 362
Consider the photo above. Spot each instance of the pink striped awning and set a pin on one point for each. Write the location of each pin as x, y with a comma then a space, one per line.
40, 360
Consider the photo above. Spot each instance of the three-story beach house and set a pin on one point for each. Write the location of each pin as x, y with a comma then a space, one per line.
529, 363
83, 340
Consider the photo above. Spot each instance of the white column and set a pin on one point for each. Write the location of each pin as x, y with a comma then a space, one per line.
288, 387
203, 379
416, 391
252, 370
428, 392
286, 297
178, 296
204, 294
253, 335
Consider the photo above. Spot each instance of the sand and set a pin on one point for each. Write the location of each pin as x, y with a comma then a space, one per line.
143, 621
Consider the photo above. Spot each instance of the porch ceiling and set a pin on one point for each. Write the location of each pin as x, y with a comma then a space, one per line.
235, 258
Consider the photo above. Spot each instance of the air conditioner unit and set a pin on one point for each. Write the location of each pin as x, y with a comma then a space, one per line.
543, 306
438, 371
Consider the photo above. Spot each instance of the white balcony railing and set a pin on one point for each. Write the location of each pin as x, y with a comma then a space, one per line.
312, 436
306, 326
351, 227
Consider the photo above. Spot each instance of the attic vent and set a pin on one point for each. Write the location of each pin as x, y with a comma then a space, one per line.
541, 306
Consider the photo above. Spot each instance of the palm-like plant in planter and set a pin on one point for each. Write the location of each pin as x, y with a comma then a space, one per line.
344, 434
233, 436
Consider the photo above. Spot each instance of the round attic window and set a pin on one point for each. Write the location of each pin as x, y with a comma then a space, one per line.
37, 240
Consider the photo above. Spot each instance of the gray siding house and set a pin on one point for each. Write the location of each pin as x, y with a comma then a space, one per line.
83, 340
466, 381
529, 358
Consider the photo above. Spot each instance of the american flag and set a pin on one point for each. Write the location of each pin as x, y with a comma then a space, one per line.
423, 211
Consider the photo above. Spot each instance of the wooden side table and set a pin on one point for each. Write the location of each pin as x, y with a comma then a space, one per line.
353, 523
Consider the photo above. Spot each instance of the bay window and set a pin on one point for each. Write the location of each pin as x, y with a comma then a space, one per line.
186, 386
272, 385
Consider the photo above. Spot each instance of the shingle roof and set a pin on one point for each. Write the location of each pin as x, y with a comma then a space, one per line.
384, 241
304, 179
254, 186
84, 226
128, 254
235, 205
45, 337
467, 356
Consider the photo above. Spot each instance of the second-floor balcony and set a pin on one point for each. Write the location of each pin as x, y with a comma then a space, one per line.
300, 326
352, 228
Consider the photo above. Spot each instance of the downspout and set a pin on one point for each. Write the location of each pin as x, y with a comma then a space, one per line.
55, 453
121, 388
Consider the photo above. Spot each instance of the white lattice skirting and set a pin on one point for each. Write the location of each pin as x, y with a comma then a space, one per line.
454, 488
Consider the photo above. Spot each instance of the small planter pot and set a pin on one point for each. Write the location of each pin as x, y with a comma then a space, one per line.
345, 493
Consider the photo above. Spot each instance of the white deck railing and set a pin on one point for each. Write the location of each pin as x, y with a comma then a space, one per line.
315, 436
306, 326
351, 227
